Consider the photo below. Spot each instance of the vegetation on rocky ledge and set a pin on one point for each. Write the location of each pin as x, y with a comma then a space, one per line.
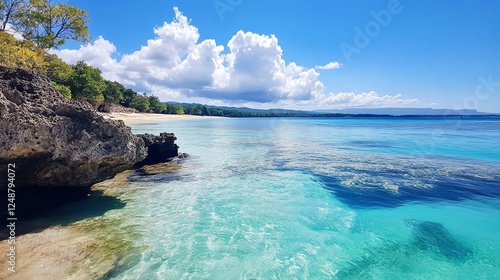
42, 25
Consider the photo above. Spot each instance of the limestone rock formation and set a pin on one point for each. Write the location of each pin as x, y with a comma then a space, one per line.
56, 142
160, 148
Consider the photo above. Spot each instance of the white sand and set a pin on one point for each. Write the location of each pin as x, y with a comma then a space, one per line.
137, 118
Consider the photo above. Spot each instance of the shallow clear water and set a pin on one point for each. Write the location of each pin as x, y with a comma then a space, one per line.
320, 199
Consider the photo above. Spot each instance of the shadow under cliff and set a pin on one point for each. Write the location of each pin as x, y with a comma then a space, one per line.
37, 209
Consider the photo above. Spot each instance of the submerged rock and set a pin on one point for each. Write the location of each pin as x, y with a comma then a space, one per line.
56, 142
428, 240
435, 237
182, 155
87, 250
165, 167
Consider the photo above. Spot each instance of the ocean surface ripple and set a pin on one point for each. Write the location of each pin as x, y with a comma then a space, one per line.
319, 199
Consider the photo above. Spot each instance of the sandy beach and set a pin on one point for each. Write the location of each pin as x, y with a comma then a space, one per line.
137, 118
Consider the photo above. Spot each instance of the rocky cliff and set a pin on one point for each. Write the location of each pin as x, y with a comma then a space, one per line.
56, 142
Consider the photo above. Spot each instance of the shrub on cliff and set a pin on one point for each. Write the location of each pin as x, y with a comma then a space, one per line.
22, 54
62, 89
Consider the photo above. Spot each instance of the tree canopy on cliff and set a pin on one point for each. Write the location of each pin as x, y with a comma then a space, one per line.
43, 25
43, 22
56, 69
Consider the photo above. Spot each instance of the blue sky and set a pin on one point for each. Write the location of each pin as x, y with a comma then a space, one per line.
387, 53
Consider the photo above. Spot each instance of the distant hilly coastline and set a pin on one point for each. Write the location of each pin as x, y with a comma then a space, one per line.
407, 111
348, 111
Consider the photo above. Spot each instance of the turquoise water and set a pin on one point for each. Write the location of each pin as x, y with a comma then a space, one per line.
320, 199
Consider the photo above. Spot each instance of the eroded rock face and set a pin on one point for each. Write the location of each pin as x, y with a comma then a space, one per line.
56, 142
160, 148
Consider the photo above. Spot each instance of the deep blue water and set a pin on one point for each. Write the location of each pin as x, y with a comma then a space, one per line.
306, 198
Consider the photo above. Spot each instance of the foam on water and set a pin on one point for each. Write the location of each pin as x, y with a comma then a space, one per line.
301, 199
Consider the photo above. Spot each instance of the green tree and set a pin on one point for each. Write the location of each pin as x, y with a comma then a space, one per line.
57, 70
155, 104
49, 25
86, 82
216, 112
196, 110
113, 92
169, 109
205, 111
178, 109
140, 102
128, 96
174, 109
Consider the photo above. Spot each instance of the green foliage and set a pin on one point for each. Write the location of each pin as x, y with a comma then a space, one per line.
21, 54
128, 96
179, 109
63, 90
174, 109
140, 102
194, 110
86, 82
49, 25
57, 70
113, 92
155, 104
197, 109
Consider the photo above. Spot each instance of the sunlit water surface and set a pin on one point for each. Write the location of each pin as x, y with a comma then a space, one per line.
319, 199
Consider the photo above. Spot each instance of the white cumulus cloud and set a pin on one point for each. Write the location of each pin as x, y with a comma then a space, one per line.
99, 54
329, 66
365, 99
175, 65
254, 70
